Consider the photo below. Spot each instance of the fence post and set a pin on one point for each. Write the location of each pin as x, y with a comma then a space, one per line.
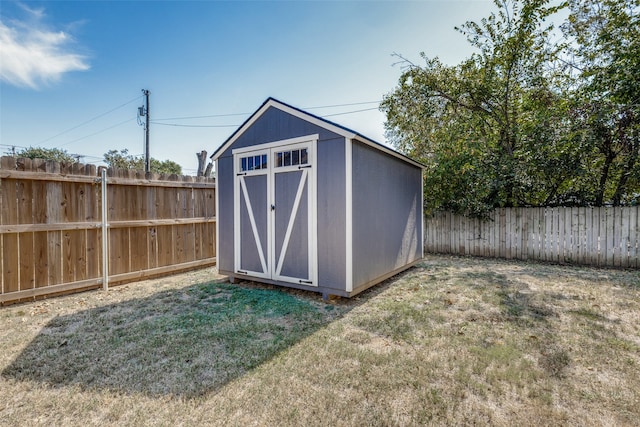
105, 237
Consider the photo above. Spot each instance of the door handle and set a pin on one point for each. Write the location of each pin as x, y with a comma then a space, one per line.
273, 207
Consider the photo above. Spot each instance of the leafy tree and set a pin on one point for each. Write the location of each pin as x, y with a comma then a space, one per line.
165, 166
525, 121
123, 160
56, 154
466, 122
607, 96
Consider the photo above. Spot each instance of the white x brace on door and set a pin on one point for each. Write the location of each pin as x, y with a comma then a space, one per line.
275, 230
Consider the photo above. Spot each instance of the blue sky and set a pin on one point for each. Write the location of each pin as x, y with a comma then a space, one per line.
72, 71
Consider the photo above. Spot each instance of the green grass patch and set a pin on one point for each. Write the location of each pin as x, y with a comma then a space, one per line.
184, 342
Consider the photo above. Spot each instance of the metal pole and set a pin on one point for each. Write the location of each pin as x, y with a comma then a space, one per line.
147, 164
105, 235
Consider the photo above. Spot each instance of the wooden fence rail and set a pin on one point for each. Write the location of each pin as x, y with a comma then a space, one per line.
605, 236
51, 226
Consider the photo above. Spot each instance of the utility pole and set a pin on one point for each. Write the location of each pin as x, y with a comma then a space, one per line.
147, 161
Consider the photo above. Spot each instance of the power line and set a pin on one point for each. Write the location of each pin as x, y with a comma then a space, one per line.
89, 157
245, 114
350, 112
96, 133
194, 126
200, 117
88, 121
343, 105
233, 126
12, 146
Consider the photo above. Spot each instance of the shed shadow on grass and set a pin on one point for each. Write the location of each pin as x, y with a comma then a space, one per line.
182, 343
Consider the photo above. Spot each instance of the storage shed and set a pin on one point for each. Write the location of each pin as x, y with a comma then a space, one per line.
306, 203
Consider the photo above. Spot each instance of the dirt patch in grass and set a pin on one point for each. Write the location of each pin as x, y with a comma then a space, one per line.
452, 341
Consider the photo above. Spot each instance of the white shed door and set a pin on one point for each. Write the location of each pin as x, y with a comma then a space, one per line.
275, 226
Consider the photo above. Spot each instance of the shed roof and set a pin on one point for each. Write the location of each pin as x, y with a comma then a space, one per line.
312, 118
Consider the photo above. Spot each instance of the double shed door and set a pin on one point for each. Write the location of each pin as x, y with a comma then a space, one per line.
275, 213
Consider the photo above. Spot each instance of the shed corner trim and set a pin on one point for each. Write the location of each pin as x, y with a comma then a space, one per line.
348, 157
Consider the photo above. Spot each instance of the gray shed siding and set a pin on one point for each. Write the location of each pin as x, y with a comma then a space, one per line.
332, 214
276, 125
387, 214
224, 187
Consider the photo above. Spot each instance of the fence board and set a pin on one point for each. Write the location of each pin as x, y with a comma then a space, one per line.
477, 236
41, 256
533, 233
54, 202
512, 223
26, 261
540, 231
471, 235
624, 238
165, 245
459, 239
199, 233
519, 235
567, 246
79, 254
139, 244
94, 245
453, 236
55, 257
68, 264
550, 243
445, 242
464, 236
482, 238
190, 242
440, 229
604, 236
524, 248
153, 247
119, 248
501, 233
558, 235
39, 193
10, 267
9, 202
588, 240
179, 243
610, 249
24, 191
581, 233
634, 236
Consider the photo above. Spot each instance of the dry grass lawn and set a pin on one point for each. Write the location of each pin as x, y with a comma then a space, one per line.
453, 341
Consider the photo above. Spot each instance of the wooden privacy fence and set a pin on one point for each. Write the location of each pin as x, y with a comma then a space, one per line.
51, 226
605, 236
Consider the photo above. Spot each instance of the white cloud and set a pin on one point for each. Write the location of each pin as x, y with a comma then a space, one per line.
32, 55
